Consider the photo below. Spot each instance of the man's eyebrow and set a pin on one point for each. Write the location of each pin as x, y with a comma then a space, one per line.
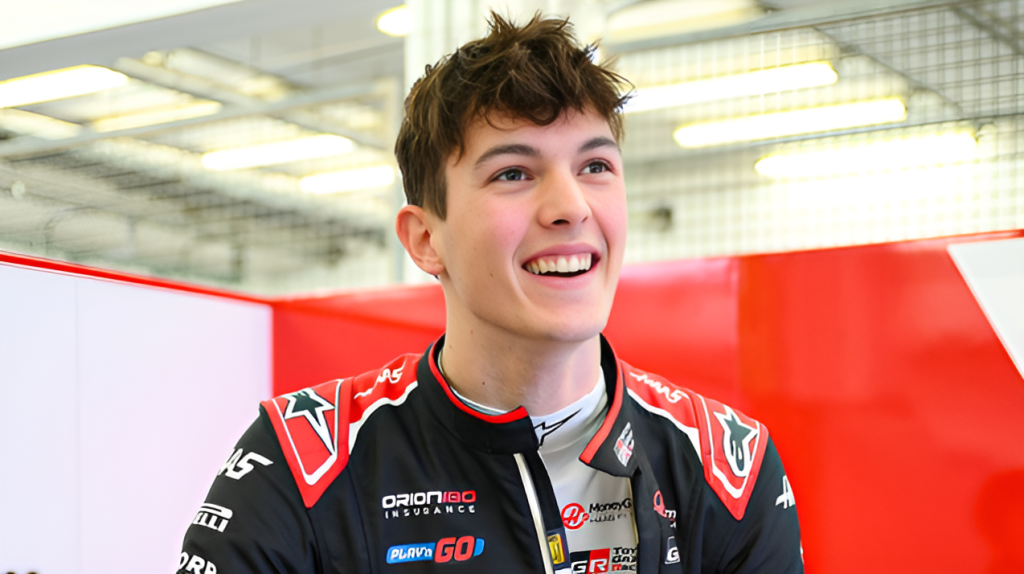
597, 142
510, 149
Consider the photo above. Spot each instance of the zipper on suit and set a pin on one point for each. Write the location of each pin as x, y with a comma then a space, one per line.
538, 519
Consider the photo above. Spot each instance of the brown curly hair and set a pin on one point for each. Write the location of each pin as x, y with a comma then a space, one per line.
534, 72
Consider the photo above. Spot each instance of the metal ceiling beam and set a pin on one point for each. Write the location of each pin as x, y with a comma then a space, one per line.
992, 25
203, 88
800, 17
28, 146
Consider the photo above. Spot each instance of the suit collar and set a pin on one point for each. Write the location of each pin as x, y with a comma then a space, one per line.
611, 450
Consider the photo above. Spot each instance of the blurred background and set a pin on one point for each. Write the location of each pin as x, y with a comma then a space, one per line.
247, 144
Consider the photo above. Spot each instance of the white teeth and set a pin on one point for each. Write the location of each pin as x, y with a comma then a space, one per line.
560, 264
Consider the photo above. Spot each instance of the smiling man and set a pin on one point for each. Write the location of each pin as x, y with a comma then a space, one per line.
517, 442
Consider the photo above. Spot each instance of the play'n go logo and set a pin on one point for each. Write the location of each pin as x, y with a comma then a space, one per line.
444, 550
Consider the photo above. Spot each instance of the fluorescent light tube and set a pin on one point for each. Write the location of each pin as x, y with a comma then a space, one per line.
156, 117
30, 22
348, 180
897, 153
782, 79
794, 122
37, 125
657, 18
396, 21
58, 84
278, 152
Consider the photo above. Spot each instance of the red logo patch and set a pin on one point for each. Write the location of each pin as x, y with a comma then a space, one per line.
573, 515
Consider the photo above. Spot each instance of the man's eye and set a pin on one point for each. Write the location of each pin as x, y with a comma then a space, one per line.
596, 167
511, 175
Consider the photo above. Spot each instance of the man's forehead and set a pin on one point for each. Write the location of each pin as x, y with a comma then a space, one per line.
496, 134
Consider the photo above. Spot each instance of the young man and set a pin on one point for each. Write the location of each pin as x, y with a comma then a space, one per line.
517, 442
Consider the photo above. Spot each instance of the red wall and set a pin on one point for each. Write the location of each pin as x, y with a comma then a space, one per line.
897, 411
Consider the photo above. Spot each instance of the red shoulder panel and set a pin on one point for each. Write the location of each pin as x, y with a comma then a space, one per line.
659, 393
732, 446
318, 426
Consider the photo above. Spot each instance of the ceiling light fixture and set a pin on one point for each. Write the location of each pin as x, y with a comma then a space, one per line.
156, 117
658, 18
30, 22
896, 153
781, 79
790, 123
312, 147
348, 180
57, 85
396, 21
37, 125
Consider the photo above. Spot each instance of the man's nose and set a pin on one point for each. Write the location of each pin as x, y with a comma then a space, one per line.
563, 200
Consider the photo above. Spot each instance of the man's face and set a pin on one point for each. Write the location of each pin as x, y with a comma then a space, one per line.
535, 230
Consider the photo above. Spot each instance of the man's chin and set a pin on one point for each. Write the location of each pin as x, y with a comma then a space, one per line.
572, 333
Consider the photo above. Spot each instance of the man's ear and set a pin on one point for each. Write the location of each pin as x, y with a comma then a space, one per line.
415, 229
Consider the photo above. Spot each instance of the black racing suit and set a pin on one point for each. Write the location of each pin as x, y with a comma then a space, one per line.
390, 472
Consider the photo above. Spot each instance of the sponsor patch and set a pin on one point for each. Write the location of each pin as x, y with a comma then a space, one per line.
556, 548
610, 511
618, 559
213, 516
444, 550
732, 449
573, 515
239, 464
624, 445
785, 500
672, 395
736, 439
311, 406
428, 503
544, 429
672, 551
659, 507
195, 564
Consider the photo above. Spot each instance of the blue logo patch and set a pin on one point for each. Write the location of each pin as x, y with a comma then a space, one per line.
411, 552
444, 550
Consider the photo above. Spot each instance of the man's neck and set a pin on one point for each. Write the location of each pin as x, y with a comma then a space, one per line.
504, 372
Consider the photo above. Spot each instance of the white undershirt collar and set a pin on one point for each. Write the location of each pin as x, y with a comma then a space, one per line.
560, 429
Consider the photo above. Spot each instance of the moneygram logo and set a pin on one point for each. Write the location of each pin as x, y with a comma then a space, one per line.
573, 515
444, 550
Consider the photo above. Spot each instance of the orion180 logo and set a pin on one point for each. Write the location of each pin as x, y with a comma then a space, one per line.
430, 502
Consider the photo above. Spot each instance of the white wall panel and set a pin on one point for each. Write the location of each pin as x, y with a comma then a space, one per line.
994, 270
39, 463
153, 385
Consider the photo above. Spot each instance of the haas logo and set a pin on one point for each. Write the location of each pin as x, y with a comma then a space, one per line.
573, 516
391, 376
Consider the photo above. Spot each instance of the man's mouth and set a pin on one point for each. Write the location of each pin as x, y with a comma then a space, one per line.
560, 265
